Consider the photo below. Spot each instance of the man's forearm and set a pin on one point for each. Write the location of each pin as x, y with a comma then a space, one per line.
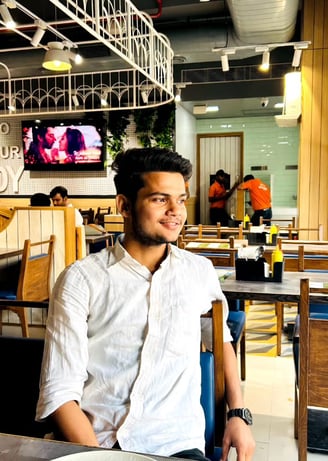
74, 424
232, 382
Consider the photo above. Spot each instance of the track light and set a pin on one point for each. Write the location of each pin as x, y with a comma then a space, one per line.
6, 16
297, 57
178, 95
39, 33
265, 61
75, 57
144, 96
225, 62
75, 100
56, 58
103, 99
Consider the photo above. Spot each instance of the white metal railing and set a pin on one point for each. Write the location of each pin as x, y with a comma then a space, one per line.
147, 80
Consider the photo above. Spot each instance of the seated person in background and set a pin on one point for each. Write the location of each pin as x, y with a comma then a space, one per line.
40, 199
121, 363
59, 197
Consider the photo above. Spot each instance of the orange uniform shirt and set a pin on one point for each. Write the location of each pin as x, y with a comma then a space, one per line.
216, 190
259, 193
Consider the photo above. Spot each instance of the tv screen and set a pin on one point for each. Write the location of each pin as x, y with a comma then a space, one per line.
64, 145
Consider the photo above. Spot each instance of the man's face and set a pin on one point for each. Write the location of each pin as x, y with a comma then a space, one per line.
159, 212
58, 200
49, 138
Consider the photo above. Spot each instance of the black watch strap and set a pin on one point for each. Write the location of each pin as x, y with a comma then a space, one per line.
243, 413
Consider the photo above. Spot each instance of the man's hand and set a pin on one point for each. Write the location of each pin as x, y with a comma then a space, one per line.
238, 434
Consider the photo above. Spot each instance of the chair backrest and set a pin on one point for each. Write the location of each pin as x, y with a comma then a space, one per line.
100, 215
35, 271
313, 360
88, 216
218, 256
21, 360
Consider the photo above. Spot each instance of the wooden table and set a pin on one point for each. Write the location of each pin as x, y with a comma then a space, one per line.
286, 291
104, 237
9, 252
17, 448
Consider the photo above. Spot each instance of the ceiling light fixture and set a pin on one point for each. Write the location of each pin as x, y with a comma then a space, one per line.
56, 58
265, 66
265, 50
212, 108
178, 95
6, 16
39, 33
75, 100
225, 62
179, 86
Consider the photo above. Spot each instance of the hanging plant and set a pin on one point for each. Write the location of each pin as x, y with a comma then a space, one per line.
116, 127
164, 126
144, 120
156, 127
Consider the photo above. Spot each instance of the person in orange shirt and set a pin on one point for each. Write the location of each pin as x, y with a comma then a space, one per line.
260, 196
218, 196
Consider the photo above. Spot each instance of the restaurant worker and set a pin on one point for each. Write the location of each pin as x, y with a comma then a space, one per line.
218, 196
260, 196
121, 361
59, 197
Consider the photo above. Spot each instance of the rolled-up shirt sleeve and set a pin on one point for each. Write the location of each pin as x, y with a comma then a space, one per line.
66, 344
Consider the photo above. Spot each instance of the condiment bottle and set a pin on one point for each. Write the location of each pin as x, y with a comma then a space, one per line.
277, 256
273, 231
246, 221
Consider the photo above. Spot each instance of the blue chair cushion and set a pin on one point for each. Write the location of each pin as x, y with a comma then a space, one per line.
236, 322
8, 294
207, 398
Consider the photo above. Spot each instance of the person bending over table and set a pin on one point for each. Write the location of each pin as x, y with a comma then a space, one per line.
121, 362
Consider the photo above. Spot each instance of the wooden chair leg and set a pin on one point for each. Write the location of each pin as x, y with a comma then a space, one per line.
22, 315
279, 313
296, 413
243, 356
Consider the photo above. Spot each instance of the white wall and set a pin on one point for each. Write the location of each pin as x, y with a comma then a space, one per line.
185, 143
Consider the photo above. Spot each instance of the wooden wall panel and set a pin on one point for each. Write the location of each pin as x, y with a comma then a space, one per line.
313, 157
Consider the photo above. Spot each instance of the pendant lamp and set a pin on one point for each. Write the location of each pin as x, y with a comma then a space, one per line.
56, 58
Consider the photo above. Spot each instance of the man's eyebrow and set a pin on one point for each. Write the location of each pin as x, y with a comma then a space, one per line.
163, 194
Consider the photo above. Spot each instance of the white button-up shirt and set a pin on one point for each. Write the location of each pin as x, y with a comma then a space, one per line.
124, 343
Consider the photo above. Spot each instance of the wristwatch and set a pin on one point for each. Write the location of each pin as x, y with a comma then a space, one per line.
243, 413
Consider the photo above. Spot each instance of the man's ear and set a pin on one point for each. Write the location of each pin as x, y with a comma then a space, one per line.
123, 205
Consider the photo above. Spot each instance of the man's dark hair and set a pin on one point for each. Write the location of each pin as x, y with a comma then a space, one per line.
61, 190
220, 173
133, 163
39, 131
40, 199
248, 177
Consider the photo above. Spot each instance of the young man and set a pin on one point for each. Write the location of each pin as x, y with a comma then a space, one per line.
260, 197
59, 197
121, 363
218, 196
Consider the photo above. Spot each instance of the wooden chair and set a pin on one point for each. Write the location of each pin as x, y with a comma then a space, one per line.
312, 390
220, 410
100, 215
88, 216
34, 279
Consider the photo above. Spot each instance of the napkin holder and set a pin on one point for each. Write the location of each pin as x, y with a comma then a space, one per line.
253, 270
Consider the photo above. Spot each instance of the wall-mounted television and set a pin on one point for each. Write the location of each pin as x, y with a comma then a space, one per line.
69, 145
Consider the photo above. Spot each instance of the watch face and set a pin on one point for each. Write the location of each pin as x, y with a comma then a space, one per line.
243, 413
248, 416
